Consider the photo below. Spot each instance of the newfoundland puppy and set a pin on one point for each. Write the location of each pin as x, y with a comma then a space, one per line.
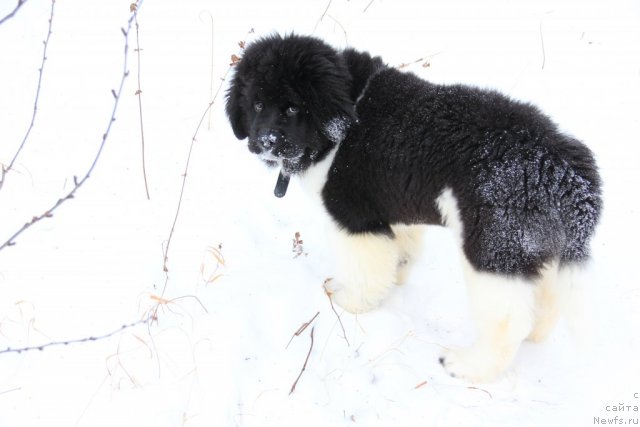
388, 153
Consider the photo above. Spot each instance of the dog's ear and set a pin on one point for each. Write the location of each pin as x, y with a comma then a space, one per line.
328, 97
362, 67
235, 108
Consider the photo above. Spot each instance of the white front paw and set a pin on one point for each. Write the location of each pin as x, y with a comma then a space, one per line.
352, 299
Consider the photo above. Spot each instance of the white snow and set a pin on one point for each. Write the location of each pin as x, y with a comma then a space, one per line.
336, 129
236, 293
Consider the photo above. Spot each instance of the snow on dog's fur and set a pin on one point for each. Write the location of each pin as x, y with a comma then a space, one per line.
388, 152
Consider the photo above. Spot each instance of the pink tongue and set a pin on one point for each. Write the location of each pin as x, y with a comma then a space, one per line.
281, 185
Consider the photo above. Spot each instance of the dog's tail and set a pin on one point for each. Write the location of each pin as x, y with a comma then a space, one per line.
578, 195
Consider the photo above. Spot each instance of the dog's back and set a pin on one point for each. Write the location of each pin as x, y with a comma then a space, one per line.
527, 194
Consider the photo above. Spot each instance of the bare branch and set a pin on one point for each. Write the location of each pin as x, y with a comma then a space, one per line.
79, 183
134, 7
5, 170
165, 266
302, 328
75, 341
211, 78
10, 390
326, 9
426, 61
165, 254
420, 385
13, 12
346, 39
344, 333
167, 244
367, 8
481, 389
304, 367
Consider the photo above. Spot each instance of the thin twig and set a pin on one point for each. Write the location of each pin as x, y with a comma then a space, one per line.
344, 333
326, 9
304, 367
10, 390
79, 183
165, 267
422, 384
366, 8
424, 59
134, 7
165, 253
159, 301
210, 62
152, 315
6, 169
75, 341
301, 329
13, 12
481, 389
346, 40
124, 369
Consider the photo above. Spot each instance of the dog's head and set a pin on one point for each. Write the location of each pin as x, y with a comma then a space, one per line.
290, 97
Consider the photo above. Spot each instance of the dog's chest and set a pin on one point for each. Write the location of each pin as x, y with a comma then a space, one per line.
315, 177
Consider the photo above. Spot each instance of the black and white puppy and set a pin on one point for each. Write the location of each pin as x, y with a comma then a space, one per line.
388, 153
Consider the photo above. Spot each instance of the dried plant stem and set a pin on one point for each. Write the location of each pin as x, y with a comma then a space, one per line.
304, 367
167, 244
344, 333
75, 341
10, 390
367, 8
346, 39
79, 183
6, 169
139, 94
211, 61
165, 254
326, 9
425, 60
165, 267
302, 328
481, 389
13, 12
186, 170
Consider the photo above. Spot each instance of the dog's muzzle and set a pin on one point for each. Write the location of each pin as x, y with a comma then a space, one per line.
270, 139
270, 145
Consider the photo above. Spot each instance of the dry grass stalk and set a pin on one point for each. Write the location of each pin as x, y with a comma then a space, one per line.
306, 361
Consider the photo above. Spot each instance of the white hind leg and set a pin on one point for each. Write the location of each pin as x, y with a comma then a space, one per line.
503, 310
409, 239
502, 307
551, 295
575, 282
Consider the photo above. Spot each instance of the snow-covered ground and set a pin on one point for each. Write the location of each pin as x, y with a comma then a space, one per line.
235, 292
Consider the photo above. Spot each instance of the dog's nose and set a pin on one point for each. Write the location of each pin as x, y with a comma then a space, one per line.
270, 138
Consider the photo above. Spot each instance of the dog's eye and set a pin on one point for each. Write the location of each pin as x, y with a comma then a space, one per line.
258, 106
292, 111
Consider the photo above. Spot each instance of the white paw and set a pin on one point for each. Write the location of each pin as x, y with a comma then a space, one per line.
352, 299
473, 364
